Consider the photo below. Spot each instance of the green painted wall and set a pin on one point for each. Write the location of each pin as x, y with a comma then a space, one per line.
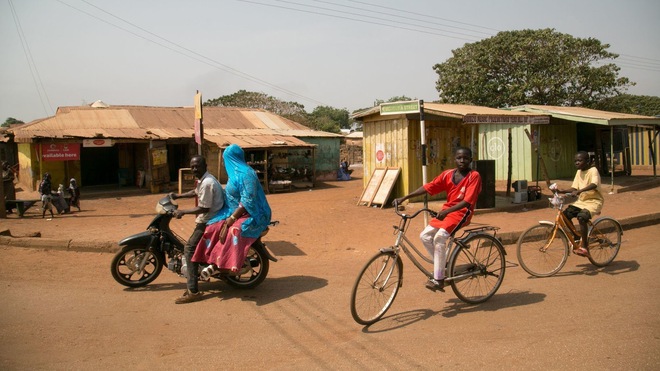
557, 147
326, 156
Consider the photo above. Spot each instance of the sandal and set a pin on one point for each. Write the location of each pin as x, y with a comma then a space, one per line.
581, 251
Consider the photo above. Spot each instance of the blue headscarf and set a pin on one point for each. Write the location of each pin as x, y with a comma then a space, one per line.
245, 188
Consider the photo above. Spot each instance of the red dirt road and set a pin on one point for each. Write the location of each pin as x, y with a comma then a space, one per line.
63, 310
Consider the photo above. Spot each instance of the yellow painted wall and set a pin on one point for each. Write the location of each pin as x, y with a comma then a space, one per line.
640, 154
399, 140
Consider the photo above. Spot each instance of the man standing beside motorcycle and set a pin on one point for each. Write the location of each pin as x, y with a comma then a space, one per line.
210, 199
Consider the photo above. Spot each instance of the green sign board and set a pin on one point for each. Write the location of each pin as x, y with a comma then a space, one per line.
397, 108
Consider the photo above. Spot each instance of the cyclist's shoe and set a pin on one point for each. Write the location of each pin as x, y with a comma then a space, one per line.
435, 285
581, 252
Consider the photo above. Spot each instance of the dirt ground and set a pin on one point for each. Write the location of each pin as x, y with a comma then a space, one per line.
62, 310
328, 212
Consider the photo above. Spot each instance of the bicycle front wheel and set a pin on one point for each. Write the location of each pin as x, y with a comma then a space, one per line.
540, 254
604, 241
376, 287
477, 268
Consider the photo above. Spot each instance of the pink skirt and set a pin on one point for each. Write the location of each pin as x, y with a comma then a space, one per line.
226, 256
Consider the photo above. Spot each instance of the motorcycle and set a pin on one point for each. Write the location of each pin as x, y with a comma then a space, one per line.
143, 255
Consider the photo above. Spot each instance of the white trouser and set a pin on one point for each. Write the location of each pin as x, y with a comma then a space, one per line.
435, 242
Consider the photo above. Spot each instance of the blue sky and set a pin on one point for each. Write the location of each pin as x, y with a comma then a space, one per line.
341, 53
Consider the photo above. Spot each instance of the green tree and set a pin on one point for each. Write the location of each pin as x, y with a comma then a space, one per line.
627, 103
11, 121
530, 67
249, 99
325, 123
336, 115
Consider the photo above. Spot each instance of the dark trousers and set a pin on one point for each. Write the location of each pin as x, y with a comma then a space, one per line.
188, 251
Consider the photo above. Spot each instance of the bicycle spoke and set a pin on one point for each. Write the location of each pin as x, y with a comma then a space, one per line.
604, 241
542, 251
484, 257
375, 288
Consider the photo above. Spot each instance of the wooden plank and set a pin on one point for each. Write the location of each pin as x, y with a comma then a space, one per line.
372, 187
386, 186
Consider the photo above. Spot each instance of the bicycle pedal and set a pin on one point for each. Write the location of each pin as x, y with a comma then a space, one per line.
434, 285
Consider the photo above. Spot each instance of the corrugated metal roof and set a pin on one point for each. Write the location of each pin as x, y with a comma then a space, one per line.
589, 115
137, 122
472, 114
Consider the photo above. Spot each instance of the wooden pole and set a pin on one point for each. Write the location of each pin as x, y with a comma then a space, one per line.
510, 167
535, 146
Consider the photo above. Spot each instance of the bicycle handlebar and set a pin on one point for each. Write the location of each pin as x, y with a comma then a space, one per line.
406, 216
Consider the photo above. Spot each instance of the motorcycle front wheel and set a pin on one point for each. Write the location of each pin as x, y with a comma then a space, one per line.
125, 266
254, 270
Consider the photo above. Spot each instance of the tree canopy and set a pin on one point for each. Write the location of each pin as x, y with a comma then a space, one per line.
249, 99
530, 67
626, 103
11, 121
323, 118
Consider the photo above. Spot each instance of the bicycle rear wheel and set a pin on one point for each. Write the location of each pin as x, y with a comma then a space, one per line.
376, 287
604, 241
538, 254
477, 268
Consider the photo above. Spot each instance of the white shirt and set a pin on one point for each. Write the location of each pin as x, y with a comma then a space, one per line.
209, 195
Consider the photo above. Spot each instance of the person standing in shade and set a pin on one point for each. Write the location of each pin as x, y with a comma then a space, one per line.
8, 184
46, 192
74, 192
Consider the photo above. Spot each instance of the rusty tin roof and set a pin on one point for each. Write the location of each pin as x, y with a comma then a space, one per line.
246, 127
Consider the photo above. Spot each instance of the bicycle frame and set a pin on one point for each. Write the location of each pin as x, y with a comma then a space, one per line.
566, 226
404, 243
476, 259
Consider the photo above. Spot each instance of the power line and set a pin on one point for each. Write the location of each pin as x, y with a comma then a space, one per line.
387, 20
654, 61
34, 71
203, 59
357, 19
423, 15
630, 64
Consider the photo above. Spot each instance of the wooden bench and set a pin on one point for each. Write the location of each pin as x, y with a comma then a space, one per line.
22, 205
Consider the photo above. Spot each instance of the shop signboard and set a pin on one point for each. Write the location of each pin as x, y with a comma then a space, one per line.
60, 151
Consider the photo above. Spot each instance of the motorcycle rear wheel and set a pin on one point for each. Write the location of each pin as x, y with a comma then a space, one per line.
125, 266
254, 270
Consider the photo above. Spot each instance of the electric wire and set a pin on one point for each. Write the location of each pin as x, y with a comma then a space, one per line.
187, 52
623, 62
32, 65
356, 19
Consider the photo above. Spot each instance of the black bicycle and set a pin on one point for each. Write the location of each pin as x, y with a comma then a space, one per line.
475, 269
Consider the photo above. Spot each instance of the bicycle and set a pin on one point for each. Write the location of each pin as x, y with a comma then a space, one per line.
475, 269
543, 249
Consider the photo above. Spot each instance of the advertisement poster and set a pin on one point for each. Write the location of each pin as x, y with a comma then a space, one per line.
60, 152
380, 153
159, 157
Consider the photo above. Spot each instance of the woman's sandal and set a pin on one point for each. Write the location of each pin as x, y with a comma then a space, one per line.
581, 251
